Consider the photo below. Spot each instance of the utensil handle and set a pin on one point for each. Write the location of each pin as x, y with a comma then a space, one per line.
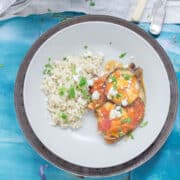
158, 16
138, 10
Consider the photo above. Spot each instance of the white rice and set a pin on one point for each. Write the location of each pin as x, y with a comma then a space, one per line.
87, 65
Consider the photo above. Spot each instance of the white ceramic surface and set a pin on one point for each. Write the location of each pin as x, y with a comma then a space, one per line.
85, 146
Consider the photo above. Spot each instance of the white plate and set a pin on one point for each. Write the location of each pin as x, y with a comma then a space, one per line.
85, 147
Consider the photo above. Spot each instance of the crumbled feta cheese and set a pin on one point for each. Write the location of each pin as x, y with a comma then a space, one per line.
129, 81
95, 95
100, 73
124, 102
125, 65
101, 54
76, 78
118, 108
90, 82
110, 80
131, 57
137, 86
114, 114
112, 92
78, 70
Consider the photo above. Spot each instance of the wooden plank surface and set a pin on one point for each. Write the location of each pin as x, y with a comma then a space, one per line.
17, 159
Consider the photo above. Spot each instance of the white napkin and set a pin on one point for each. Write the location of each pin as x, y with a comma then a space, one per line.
119, 8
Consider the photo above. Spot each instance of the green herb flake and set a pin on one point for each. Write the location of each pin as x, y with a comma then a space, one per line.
73, 69
130, 135
85, 46
1, 65
120, 110
78, 88
71, 92
114, 86
85, 94
67, 79
62, 91
48, 67
118, 95
92, 3
77, 118
122, 55
127, 76
64, 116
82, 82
127, 120
121, 134
114, 80
65, 58
143, 124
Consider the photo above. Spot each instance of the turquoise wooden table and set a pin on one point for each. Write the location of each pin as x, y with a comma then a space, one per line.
18, 161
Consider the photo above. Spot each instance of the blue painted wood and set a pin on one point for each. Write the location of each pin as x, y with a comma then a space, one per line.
165, 165
17, 159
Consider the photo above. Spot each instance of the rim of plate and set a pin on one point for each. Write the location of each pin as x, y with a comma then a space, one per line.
87, 171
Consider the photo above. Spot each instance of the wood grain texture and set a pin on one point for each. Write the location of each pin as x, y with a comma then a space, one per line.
18, 160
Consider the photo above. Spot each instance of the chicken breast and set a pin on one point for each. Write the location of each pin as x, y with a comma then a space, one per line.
114, 121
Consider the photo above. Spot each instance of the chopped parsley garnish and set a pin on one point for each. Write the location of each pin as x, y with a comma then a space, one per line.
92, 3
118, 96
85, 46
114, 86
67, 78
130, 135
143, 124
82, 82
65, 59
127, 76
127, 120
114, 80
122, 55
71, 92
78, 88
73, 69
64, 116
62, 91
77, 118
48, 67
121, 134
85, 94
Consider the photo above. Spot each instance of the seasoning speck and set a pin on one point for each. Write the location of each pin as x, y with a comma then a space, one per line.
122, 55
143, 124
85, 46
